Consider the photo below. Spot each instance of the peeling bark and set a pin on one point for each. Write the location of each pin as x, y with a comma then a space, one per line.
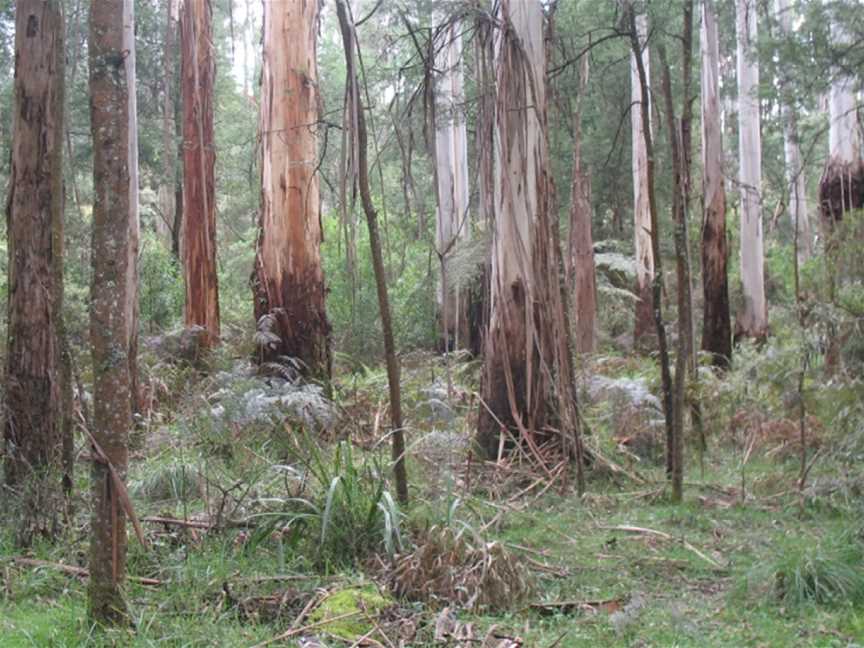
527, 382
199, 160
33, 426
288, 280
582, 283
113, 291
716, 324
752, 319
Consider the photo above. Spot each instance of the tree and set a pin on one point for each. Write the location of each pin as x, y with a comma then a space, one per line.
527, 380
451, 175
841, 187
641, 210
113, 293
33, 426
752, 320
288, 280
168, 187
582, 283
716, 323
797, 182
358, 118
199, 159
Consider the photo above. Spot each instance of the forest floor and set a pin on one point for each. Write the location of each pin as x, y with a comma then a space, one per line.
748, 559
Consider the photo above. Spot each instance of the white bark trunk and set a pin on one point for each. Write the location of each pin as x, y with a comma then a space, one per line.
844, 145
451, 162
641, 210
753, 318
134, 218
799, 210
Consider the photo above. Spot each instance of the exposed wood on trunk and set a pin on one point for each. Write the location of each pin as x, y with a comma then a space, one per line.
582, 284
112, 315
641, 209
288, 280
527, 382
132, 307
451, 175
716, 323
33, 425
799, 212
752, 319
199, 160
349, 40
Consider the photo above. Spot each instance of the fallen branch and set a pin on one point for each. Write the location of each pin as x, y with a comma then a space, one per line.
76, 571
665, 536
199, 524
295, 631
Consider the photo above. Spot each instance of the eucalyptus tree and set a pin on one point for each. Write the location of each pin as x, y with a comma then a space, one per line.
752, 320
716, 323
199, 159
113, 296
33, 422
288, 279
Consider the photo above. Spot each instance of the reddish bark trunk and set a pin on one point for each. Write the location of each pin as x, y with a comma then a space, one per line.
199, 159
33, 423
288, 281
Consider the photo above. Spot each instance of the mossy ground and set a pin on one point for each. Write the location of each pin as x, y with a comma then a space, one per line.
708, 582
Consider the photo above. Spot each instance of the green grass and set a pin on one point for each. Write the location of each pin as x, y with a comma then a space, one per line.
712, 580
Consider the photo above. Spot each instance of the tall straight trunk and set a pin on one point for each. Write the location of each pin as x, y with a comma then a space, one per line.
752, 320
349, 41
527, 377
716, 325
33, 425
641, 210
582, 283
288, 280
167, 202
131, 301
636, 46
113, 294
199, 160
451, 173
799, 212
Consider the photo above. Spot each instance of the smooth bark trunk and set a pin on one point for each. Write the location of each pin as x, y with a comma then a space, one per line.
641, 209
288, 280
752, 320
167, 201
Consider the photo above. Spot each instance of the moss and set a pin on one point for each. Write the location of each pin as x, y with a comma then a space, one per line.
363, 601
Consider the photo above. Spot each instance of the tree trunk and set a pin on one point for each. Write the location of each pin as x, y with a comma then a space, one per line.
33, 422
199, 159
527, 379
582, 283
641, 211
716, 323
451, 174
359, 118
799, 212
637, 45
752, 320
132, 306
113, 296
841, 187
167, 202
288, 281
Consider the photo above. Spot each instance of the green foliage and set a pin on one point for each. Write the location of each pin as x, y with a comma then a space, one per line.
829, 571
347, 515
162, 294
